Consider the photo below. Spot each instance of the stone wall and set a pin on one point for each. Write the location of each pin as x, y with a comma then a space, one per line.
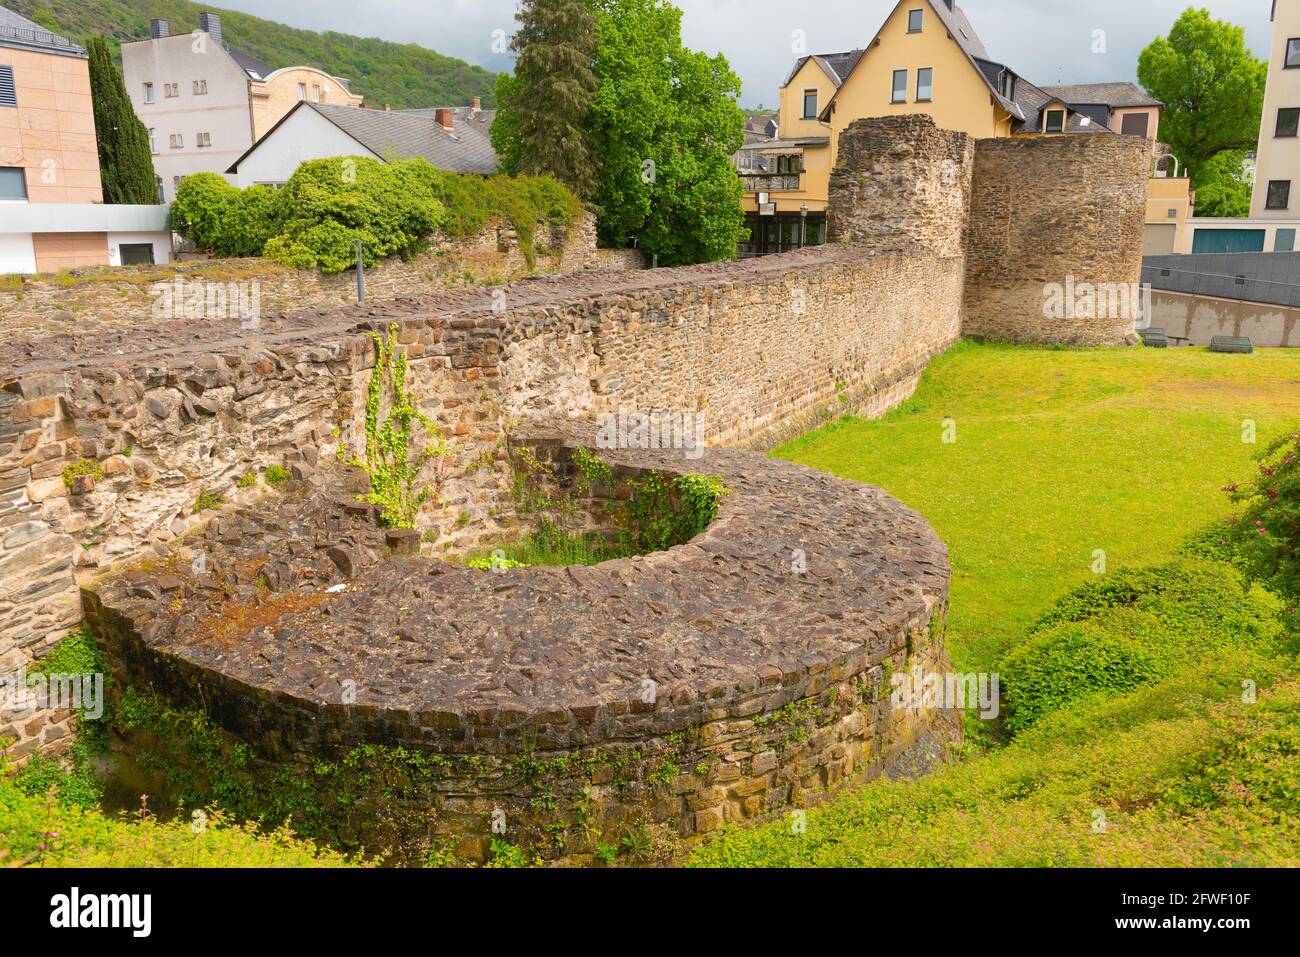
167, 412
86, 300
1049, 213
901, 179
718, 681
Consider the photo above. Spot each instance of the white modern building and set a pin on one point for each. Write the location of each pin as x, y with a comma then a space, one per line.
52, 210
1276, 194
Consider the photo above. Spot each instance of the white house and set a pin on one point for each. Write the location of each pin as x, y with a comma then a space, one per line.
453, 139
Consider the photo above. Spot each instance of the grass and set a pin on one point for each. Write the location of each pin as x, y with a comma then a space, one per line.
550, 546
1155, 711
1060, 453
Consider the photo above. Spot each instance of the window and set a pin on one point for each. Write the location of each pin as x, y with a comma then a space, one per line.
1279, 194
1173, 214
177, 141
1288, 121
1284, 241
153, 140
302, 91
161, 196
13, 183
135, 254
204, 139
148, 92
176, 182
1135, 124
315, 93
924, 84
171, 89
1292, 54
8, 92
914, 20
200, 87
810, 104
1054, 122
900, 87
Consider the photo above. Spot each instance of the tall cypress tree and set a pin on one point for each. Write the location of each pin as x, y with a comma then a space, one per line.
125, 164
545, 108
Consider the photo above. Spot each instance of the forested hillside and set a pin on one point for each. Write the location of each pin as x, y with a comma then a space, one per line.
400, 74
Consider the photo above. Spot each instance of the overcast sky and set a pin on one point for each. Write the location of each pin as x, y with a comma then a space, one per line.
1047, 41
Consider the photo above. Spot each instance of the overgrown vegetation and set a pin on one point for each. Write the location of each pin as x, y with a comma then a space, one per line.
391, 461
1267, 533
393, 208
660, 511
83, 466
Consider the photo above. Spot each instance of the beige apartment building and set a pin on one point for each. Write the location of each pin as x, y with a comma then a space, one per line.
1277, 174
205, 104
52, 212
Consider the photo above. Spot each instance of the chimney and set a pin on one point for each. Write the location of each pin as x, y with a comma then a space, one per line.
443, 116
386, 107
475, 104
949, 3
158, 29
210, 23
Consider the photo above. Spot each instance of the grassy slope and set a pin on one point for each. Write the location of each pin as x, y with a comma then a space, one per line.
1059, 453
400, 74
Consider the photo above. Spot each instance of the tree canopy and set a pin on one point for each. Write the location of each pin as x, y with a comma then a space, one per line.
1213, 90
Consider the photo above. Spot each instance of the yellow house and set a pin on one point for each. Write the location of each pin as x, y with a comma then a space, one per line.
281, 90
926, 58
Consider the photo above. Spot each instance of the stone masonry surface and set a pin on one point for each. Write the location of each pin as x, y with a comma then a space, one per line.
160, 417
554, 662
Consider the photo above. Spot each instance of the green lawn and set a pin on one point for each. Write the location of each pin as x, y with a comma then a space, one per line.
1132, 741
1058, 453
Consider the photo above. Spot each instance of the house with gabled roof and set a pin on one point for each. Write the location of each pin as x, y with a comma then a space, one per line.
925, 58
454, 139
205, 103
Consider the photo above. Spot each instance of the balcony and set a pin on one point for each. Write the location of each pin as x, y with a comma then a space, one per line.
760, 181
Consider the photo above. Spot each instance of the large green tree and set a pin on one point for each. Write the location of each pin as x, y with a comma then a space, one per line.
666, 123
543, 125
125, 164
1213, 90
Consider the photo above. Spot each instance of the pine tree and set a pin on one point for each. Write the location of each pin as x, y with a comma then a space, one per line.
125, 163
545, 107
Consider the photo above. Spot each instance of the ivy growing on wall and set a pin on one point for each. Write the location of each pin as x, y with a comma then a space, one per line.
390, 460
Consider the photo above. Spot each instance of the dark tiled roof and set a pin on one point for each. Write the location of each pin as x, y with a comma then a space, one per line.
17, 31
837, 65
467, 148
253, 67
1033, 99
1113, 95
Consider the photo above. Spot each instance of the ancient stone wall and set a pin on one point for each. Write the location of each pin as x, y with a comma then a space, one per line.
901, 179
1055, 216
163, 417
721, 680
90, 299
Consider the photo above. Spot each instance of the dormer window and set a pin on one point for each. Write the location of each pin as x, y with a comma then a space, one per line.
810, 104
1054, 122
915, 18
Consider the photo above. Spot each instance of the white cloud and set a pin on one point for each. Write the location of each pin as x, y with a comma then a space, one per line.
1048, 41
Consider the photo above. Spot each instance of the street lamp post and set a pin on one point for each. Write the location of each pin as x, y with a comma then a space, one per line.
803, 224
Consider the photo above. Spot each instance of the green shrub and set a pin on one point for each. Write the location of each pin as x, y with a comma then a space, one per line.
1135, 626
1269, 528
82, 466
664, 512
276, 475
